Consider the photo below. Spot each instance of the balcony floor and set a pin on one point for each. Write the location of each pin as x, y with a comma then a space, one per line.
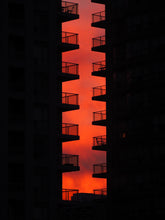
70, 168
68, 17
101, 148
101, 98
66, 138
99, 175
100, 122
99, 24
68, 47
64, 77
101, 73
68, 107
101, 49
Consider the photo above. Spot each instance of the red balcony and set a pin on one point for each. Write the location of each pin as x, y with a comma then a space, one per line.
100, 143
70, 163
67, 194
99, 68
100, 170
99, 118
99, 44
69, 41
99, 19
100, 193
70, 132
69, 11
70, 71
99, 93
70, 101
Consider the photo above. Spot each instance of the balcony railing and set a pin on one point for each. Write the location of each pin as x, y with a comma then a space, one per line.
99, 66
99, 91
99, 16
69, 129
70, 98
70, 68
100, 168
69, 38
69, 8
99, 115
98, 41
101, 192
67, 194
68, 159
100, 141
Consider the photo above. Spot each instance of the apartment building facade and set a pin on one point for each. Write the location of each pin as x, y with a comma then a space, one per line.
32, 69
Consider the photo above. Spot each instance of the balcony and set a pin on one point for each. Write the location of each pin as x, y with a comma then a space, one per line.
99, 93
100, 193
99, 44
100, 170
70, 101
99, 118
69, 41
69, 11
69, 132
99, 19
67, 194
70, 71
70, 163
99, 1
99, 69
100, 143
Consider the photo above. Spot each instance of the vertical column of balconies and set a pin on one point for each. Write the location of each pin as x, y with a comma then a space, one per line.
70, 101
99, 93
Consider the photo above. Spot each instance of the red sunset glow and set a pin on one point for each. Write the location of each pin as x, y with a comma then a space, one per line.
82, 179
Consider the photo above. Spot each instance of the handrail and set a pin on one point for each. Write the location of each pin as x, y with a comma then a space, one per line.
99, 66
69, 38
69, 7
99, 90
99, 168
70, 98
69, 159
100, 140
69, 129
99, 16
67, 194
99, 115
70, 68
98, 41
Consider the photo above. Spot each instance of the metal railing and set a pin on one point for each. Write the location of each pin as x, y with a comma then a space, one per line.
69, 38
67, 194
70, 68
101, 192
99, 90
99, 16
69, 129
69, 7
68, 159
98, 41
100, 140
99, 115
100, 168
70, 98
99, 66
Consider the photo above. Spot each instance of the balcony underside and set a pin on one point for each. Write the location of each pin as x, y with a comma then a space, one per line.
66, 138
99, 175
68, 107
99, 98
99, 1
68, 47
64, 77
101, 148
68, 17
70, 168
101, 73
101, 48
99, 24
100, 122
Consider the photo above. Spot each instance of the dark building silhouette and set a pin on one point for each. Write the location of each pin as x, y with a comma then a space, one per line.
135, 41
31, 53
134, 69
